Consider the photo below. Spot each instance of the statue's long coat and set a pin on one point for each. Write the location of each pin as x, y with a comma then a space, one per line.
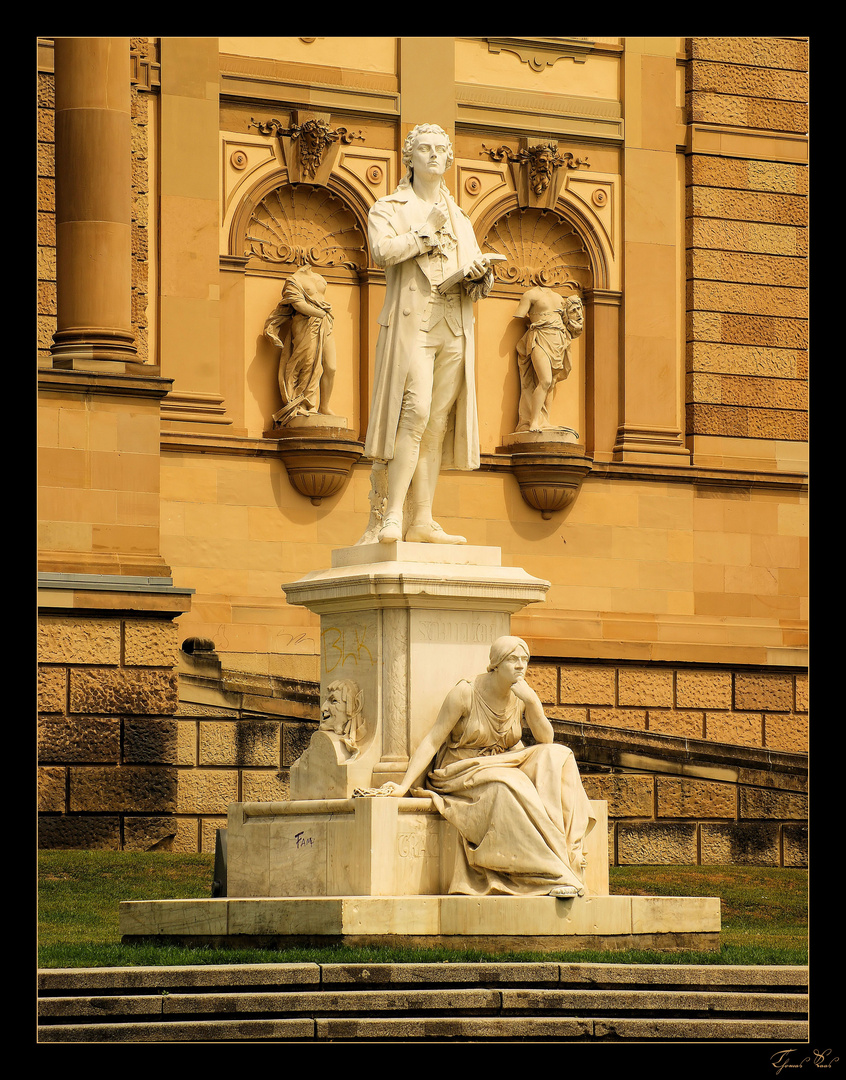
395, 248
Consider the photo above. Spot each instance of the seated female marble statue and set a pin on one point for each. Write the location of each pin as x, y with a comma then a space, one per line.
521, 811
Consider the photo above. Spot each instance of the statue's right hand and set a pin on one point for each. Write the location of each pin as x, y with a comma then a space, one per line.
436, 217
390, 788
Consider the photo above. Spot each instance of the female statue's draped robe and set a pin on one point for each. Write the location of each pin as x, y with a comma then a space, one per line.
521, 811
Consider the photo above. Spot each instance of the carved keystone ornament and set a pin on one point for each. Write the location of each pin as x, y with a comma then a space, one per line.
312, 137
542, 161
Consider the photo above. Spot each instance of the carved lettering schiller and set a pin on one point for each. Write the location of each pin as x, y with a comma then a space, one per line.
453, 630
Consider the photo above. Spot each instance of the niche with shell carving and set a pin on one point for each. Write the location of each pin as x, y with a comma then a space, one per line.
296, 224
284, 229
540, 248
543, 250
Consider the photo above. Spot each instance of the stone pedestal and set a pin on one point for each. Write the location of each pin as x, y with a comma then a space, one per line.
400, 624
405, 622
360, 847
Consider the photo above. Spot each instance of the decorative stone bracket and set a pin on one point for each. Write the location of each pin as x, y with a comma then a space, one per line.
536, 170
318, 461
549, 473
540, 53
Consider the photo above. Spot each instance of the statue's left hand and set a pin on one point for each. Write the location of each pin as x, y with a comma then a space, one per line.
476, 270
390, 788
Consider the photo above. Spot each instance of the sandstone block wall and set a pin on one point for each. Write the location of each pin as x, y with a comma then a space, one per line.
46, 216
756, 708
107, 737
238, 736
733, 813
747, 239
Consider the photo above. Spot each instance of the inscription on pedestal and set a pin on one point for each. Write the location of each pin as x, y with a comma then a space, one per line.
418, 845
459, 631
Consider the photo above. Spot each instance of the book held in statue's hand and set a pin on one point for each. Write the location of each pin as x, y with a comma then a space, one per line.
458, 276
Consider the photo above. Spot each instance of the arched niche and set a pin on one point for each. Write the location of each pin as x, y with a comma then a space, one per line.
564, 248
286, 224
544, 244
275, 227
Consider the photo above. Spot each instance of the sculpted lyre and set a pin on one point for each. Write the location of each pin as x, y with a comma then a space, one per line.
423, 410
307, 360
543, 353
521, 811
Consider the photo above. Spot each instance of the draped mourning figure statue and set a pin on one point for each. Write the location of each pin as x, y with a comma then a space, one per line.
301, 325
521, 811
543, 353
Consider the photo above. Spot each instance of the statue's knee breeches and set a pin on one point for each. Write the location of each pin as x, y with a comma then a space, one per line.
414, 417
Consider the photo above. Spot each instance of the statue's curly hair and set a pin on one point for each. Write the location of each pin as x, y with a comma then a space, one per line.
425, 129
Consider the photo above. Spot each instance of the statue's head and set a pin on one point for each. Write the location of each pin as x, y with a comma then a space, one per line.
505, 647
574, 315
341, 711
429, 135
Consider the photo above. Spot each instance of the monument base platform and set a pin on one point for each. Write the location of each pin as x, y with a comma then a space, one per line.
497, 924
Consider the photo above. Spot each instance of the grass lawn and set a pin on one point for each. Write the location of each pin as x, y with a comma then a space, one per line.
764, 914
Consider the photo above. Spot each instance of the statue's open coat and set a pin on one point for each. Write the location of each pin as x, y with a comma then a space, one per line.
395, 247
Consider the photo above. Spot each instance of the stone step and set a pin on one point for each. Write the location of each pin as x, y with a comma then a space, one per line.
466, 1029
431, 1001
422, 1001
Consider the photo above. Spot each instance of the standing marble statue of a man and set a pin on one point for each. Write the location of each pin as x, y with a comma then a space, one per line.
423, 410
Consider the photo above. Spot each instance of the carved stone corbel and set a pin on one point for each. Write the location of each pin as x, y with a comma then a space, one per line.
549, 473
318, 460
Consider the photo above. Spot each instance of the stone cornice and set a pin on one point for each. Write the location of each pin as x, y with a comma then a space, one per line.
127, 384
315, 86
245, 446
685, 474
535, 114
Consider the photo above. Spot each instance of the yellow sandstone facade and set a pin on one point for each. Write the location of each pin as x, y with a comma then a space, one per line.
671, 651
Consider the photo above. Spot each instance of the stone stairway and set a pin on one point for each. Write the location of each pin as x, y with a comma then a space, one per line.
442, 1001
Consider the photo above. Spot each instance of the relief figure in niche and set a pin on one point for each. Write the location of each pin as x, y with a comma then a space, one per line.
521, 811
301, 325
543, 353
341, 714
423, 410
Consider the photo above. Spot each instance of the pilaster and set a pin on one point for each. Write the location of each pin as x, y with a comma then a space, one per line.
650, 428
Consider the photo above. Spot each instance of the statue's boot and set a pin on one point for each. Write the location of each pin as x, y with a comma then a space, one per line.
431, 534
391, 531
